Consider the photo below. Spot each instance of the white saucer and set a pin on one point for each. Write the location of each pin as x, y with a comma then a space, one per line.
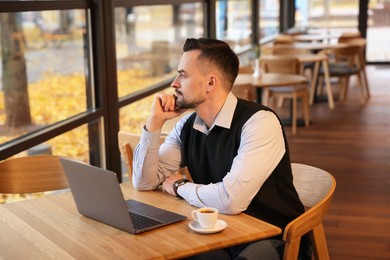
219, 226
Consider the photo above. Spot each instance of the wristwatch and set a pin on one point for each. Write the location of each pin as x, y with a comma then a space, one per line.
177, 184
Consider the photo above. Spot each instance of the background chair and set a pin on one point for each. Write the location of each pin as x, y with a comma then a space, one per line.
286, 65
31, 174
362, 56
306, 66
344, 63
245, 91
284, 39
315, 188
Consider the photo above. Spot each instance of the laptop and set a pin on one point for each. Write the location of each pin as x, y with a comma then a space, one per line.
98, 195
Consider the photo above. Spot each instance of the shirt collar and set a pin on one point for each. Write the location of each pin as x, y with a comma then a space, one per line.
223, 119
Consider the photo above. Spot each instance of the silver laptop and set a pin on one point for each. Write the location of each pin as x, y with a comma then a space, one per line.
98, 195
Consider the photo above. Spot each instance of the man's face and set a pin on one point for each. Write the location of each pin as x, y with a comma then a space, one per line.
190, 84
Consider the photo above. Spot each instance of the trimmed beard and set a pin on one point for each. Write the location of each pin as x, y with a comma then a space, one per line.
182, 103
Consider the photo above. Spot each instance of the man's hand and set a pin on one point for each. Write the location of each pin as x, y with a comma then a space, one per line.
168, 183
163, 109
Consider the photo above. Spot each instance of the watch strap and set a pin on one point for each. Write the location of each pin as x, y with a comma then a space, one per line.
177, 184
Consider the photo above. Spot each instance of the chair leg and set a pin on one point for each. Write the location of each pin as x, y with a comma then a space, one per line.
273, 100
344, 88
366, 82
291, 249
294, 114
314, 83
320, 86
362, 88
265, 96
305, 106
320, 246
280, 102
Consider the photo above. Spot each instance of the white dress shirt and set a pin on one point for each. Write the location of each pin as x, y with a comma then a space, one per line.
261, 149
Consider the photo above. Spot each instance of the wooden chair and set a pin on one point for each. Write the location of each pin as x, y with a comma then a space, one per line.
288, 65
344, 63
245, 91
307, 66
128, 142
284, 39
315, 188
32, 174
362, 57
346, 36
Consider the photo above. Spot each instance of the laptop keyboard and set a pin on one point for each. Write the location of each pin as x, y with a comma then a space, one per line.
141, 222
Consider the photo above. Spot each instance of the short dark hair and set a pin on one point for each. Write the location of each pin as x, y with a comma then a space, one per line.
215, 53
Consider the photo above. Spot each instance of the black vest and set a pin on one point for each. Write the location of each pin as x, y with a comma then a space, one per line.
209, 159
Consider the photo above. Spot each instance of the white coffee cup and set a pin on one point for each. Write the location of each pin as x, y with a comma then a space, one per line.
206, 217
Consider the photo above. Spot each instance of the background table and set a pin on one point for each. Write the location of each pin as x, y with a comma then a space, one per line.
51, 227
269, 80
317, 59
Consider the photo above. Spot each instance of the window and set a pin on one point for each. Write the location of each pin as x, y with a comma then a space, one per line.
233, 22
44, 71
378, 32
269, 18
335, 15
149, 42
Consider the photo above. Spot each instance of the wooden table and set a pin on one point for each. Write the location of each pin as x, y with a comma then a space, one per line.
51, 227
267, 80
316, 37
309, 46
317, 59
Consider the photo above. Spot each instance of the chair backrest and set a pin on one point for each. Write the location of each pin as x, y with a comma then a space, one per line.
127, 143
359, 41
244, 91
350, 53
315, 188
247, 69
345, 36
280, 64
31, 174
289, 51
284, 39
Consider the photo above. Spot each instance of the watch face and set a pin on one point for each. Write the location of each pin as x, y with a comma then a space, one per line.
179, 183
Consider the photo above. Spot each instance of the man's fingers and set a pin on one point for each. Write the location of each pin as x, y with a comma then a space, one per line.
167, 102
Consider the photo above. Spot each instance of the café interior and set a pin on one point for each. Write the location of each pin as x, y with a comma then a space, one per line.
78, 79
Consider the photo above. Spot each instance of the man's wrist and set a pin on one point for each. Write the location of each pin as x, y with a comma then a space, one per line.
153, 125
177, 184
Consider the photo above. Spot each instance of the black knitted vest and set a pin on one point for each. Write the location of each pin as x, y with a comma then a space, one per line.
209, 159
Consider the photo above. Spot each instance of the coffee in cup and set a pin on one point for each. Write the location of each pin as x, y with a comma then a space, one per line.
206, 217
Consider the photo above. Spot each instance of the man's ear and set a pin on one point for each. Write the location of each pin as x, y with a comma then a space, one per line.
212, 83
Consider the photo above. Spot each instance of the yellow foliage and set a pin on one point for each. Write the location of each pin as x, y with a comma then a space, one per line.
57, 97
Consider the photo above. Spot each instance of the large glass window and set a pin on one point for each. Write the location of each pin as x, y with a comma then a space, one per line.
43, 70
149, 42
335, 15
234, 21
378, 31
269, 18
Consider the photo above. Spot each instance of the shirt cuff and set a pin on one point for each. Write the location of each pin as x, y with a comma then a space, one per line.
185, 190
150, 140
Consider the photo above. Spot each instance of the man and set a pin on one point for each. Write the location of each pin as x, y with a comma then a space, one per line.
235, 150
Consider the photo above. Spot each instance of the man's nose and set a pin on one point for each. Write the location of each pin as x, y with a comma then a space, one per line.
175, 84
